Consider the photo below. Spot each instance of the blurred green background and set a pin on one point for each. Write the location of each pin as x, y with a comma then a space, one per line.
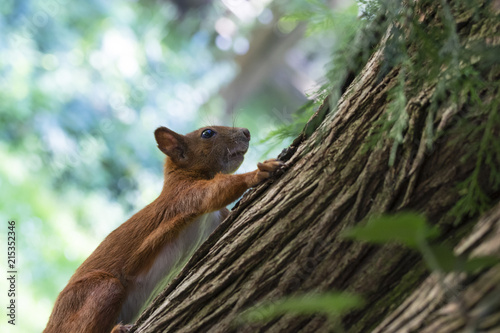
83, 85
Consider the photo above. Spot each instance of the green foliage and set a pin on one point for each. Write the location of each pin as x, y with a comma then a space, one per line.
341, 26
485, 149
293, 128
406, 228
321, 18
349, 55
369, 8
473, 265
427, 52
442, 258
332, 304
413, 231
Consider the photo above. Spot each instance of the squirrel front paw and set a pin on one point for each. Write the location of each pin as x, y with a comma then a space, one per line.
266, 168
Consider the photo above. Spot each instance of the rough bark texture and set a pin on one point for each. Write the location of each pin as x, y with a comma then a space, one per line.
283, 237
456, 302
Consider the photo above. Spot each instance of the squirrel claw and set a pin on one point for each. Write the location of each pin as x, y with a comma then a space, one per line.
266, 168
270, 165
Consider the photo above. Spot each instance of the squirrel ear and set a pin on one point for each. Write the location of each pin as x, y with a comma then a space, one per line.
171, 143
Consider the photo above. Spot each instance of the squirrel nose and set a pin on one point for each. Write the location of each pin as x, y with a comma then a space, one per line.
245, 132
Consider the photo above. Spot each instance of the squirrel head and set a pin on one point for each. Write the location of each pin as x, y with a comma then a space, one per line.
206, 151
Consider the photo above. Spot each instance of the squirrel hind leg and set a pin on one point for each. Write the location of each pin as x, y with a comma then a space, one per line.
89, 305
108, 295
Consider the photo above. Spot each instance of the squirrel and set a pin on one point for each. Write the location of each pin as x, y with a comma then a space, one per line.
115, 281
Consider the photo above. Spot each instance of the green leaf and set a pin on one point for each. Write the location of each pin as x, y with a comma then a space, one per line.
332, 304
447, 261
406, 228
478, 263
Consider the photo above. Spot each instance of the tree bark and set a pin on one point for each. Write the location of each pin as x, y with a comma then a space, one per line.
283, 237
456, 302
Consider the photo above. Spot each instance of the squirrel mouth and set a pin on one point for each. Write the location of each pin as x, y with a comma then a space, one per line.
238, 152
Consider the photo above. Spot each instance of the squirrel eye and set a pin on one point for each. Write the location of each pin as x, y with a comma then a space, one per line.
207, 134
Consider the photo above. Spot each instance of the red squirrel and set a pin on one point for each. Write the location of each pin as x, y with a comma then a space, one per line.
112, 285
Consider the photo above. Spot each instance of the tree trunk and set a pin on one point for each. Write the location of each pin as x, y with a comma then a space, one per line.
283, 237
456, 302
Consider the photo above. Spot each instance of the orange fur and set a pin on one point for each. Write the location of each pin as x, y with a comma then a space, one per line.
198, 181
